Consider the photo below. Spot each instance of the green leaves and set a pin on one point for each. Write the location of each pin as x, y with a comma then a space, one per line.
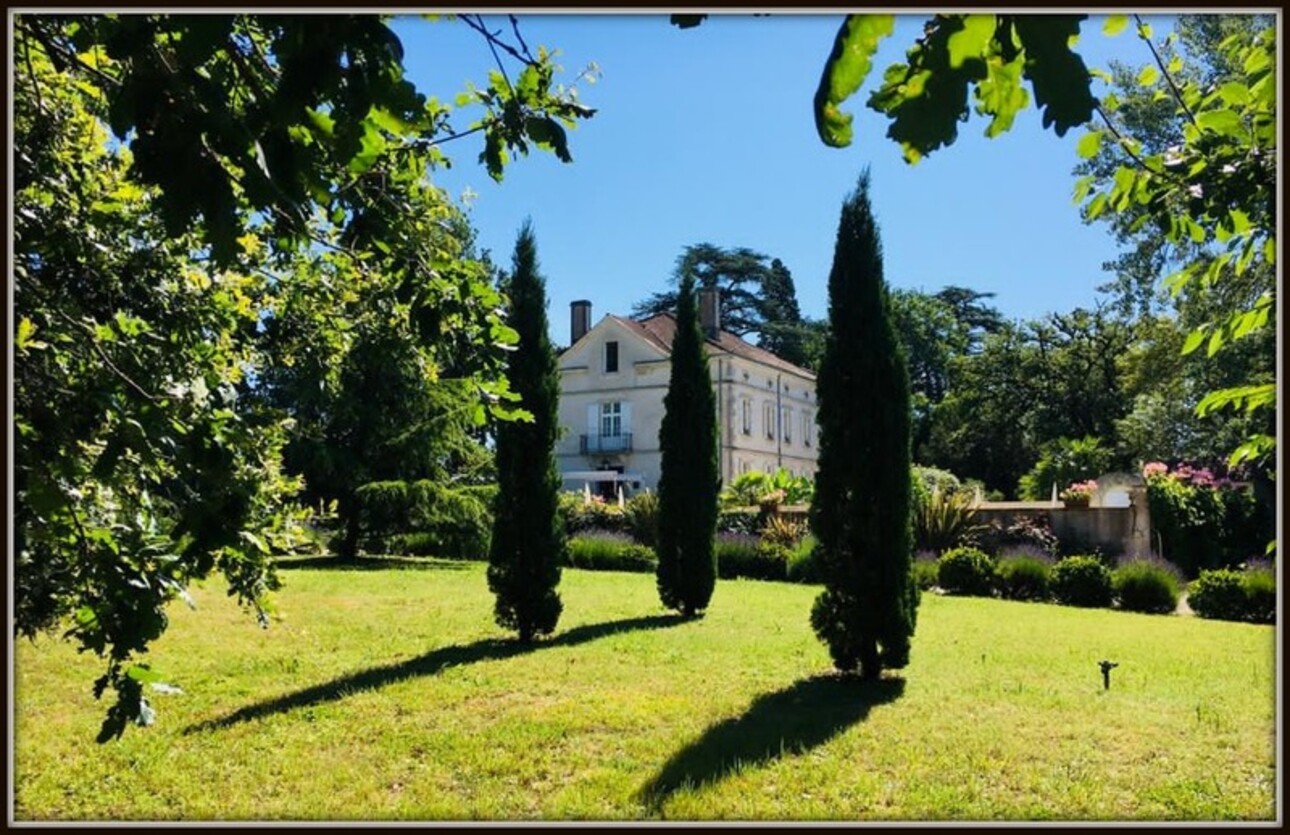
972, 41
926, 98
1115, 24
231, 116
1058, 76
845, 70
1245, 398
1089, 144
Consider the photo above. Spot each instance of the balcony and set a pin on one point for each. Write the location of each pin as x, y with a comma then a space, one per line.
601, 444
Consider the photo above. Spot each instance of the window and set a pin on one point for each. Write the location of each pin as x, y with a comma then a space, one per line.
768, 419
611, 420
611, 357
743, 467
746, 408
806, 428
787, 424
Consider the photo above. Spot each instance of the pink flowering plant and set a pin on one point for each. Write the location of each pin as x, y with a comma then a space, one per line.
1203, 521
1079, 491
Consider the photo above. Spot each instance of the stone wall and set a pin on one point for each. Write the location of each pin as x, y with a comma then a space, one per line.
1116, 530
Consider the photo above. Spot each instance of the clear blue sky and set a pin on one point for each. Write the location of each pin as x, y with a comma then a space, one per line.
707, 135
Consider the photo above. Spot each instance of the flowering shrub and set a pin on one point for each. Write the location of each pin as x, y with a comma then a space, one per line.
1203, 521
1023, 531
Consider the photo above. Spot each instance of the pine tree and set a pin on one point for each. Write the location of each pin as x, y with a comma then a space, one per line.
861, 511
690, 479
783, 331
529, 542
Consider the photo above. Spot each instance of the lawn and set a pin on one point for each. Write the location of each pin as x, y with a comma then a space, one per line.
389, 694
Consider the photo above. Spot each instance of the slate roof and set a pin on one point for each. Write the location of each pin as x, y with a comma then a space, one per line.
661, 329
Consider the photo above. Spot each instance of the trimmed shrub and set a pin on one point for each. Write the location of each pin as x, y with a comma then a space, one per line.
1260, 587
741, 555
1146, 585
1226, 594
610, 551
1024, 574
967, 571
1081, 581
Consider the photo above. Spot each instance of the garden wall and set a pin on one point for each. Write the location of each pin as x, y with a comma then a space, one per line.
1116, 530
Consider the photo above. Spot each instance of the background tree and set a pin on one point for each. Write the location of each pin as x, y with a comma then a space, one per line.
528, 544
250, 149
1213, 193
782, 327
979, 319
861, 510
737, 273
689, 480
140, 465
758, 297
932, 336
982, 429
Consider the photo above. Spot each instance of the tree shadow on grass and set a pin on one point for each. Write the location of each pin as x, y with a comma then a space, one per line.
787, 722
334, 563
431, 663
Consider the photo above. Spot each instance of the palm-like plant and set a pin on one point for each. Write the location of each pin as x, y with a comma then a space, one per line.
944, 521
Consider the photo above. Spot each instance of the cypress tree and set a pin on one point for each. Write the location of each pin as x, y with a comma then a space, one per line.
861, 511
528, 544
690, 479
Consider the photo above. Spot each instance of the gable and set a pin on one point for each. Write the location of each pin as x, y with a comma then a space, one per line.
634, 345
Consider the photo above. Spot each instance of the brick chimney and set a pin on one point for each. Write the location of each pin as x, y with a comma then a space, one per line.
710, 312
579, 319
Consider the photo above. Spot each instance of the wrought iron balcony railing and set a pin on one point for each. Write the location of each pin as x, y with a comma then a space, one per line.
599, 444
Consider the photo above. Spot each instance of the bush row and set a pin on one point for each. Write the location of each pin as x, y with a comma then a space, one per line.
1139, 584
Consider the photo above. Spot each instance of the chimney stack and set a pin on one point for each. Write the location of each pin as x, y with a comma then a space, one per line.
710, 311
579, 319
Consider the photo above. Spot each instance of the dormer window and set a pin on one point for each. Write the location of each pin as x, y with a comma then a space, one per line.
611, 357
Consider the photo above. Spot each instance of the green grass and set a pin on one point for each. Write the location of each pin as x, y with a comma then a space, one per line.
388, 693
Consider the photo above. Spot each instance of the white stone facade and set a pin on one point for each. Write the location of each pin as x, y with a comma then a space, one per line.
612, 382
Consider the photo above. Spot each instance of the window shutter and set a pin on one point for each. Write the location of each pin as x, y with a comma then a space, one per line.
627, 417
593, 419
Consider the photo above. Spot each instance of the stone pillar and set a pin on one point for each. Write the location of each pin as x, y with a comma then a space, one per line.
1138, 543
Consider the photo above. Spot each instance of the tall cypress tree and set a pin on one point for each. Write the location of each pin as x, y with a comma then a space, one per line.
861, 511
690, 478
529, 542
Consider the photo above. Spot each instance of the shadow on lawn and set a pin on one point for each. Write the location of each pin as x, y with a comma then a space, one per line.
791, 721
492, 649
334, 563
